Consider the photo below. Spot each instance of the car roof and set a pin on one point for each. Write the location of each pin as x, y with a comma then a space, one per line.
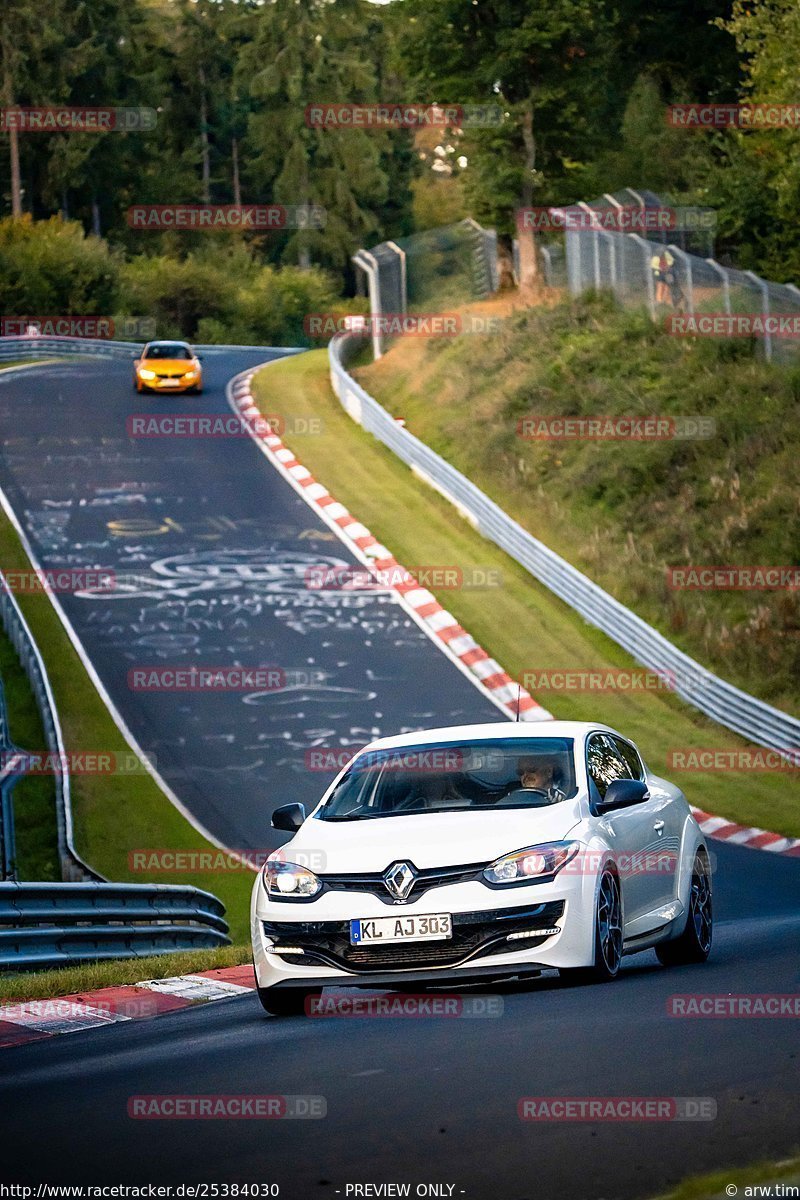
169, 342
491, 731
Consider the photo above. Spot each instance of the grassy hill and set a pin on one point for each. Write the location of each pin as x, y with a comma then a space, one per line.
624, 511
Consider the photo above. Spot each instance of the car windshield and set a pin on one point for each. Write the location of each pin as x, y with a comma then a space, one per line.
500, 773
168, 350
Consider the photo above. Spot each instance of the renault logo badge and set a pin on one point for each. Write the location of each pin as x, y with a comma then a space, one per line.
399, 879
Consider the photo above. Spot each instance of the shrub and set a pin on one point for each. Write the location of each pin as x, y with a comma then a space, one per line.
52, 268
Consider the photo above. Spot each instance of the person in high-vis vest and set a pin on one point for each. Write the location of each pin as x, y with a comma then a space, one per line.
662, 265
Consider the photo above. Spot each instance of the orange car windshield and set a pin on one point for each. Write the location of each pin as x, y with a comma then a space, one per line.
168, 350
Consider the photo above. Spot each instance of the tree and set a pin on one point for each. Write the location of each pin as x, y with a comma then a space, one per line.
757, 181
29, 48
307, 52
536, 63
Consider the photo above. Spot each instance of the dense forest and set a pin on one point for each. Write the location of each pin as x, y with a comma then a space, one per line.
581, 89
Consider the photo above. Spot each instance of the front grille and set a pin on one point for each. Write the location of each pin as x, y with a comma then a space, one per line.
428, 878
475, 935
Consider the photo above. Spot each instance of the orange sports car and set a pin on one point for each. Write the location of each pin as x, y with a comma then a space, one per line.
168, 367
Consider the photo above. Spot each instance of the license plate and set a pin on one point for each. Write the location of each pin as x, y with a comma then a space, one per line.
170, 382
432, 927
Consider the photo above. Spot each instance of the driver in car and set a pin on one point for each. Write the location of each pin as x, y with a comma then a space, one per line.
538, 774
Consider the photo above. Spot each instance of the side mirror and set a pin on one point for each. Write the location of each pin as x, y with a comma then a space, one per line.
289, 817
622, 793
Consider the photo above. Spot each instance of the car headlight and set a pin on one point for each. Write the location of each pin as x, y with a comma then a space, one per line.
145, 374
191, 371
289, 880
532, 863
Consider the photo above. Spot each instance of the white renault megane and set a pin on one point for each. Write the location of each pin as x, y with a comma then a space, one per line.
481, 852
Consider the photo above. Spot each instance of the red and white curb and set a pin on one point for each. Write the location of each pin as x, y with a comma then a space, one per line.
743, 835
440, 625
33, 1020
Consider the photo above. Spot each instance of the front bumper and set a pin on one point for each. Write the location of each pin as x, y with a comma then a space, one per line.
169, 385
308, 945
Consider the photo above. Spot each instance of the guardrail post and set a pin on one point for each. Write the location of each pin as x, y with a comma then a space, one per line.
8, 841
486, 238
369, 265
595, 244
9, 775
403, 277
686, 259
548, 265
613, 243
763, 287
639, 199
726, 286
648, 274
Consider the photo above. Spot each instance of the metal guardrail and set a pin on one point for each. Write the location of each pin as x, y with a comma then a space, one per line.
10, 774
52, 924
21, 638
724, 703
53, 347
56, 347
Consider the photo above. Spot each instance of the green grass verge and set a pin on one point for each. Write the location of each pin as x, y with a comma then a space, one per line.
67, 981
520, 623
34, 796
621, 511
114, 814
713, 1186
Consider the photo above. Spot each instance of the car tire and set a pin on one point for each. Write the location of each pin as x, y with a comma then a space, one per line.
608, 935
286, 1002
694, 943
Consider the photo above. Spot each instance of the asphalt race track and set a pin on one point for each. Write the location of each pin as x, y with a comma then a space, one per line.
213, 553
435, 1100
418, 1101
